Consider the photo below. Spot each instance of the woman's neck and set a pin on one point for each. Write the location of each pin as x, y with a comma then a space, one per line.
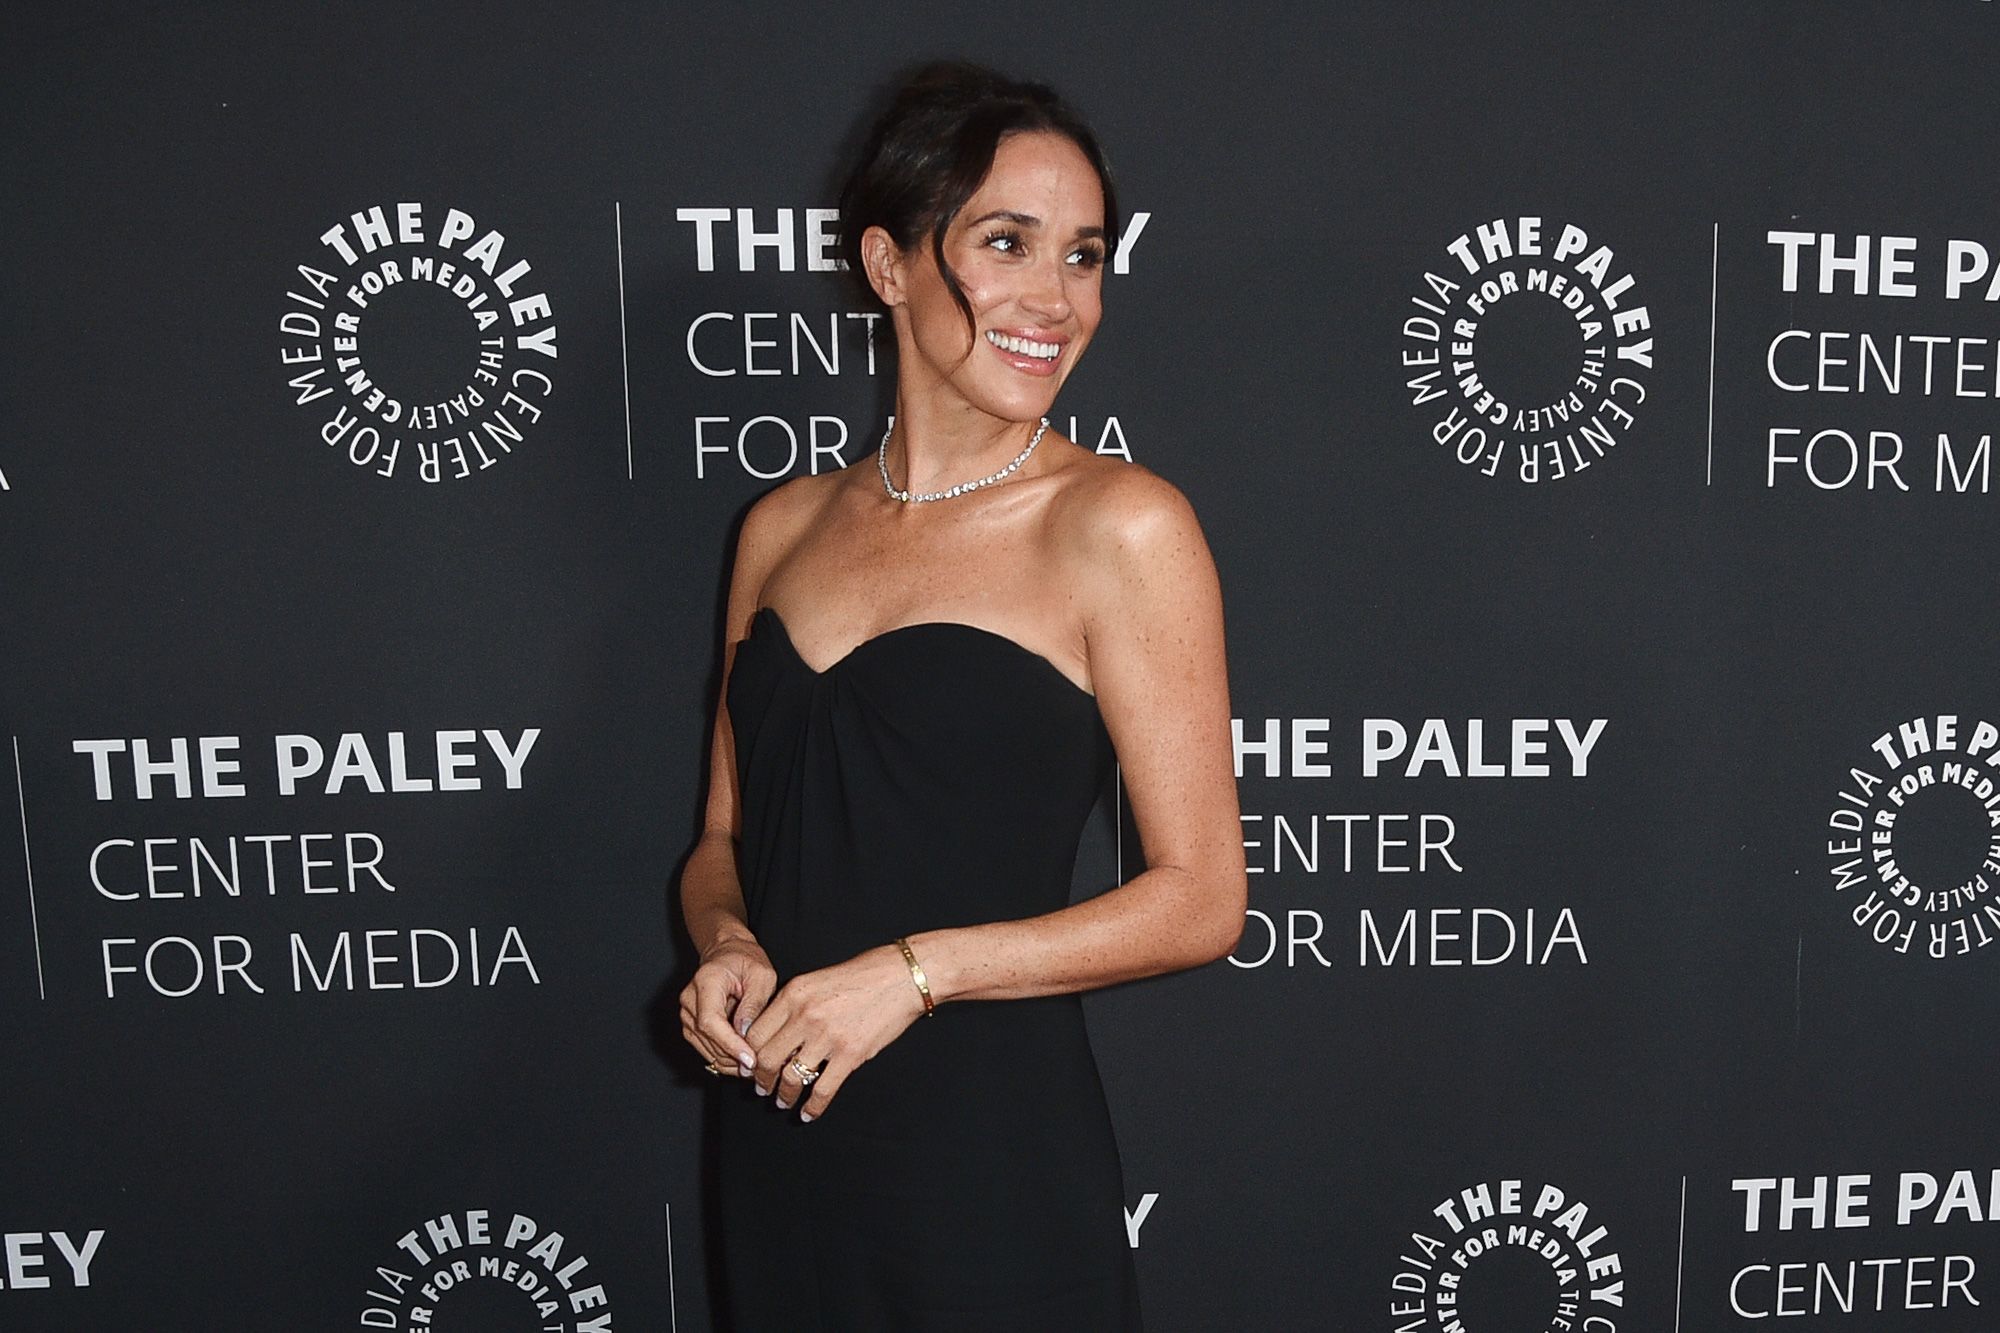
935, 446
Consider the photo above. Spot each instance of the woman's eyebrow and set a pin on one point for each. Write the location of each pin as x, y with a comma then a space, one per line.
1030, 220
1008, 215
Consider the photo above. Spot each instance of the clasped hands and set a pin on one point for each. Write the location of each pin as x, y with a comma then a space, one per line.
833, 1019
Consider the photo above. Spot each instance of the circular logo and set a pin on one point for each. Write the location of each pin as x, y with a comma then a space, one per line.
1914, 846
1508, 1257
418, 343
1526, 355
469, 1273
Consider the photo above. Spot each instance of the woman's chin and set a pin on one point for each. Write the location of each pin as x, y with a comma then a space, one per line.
1021, 405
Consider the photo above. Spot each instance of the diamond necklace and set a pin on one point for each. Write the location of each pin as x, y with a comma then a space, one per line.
882, 462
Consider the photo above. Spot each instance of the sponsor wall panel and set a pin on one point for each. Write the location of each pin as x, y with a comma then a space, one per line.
1589, 413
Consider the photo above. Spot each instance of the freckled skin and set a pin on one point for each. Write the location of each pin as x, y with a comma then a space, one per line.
1096, 563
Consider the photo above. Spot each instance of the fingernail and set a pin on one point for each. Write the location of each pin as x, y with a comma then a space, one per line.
742, 1026
763, 1092
805, 1117
747, 1060
782, 1103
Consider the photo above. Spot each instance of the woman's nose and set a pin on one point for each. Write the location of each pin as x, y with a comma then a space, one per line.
1048, 291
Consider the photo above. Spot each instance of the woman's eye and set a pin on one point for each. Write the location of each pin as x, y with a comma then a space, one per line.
1088, 257
1005, 241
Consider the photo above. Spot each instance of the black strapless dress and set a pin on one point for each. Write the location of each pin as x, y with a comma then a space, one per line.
966, 1178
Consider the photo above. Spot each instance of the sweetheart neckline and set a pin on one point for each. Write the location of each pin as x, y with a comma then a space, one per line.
785, 632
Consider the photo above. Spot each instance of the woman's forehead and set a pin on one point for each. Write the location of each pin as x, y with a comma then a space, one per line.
1041, 177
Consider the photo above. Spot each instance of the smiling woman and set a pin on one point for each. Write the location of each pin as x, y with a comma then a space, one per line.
1010, 218
926, 687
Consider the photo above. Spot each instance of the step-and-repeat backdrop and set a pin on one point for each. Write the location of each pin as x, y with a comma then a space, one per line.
1591, 411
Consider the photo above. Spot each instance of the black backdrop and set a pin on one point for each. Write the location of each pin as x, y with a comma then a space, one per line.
1697, 1026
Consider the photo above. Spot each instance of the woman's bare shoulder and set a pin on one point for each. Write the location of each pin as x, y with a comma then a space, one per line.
1114, 508
780, 516
775, 525
1135, 554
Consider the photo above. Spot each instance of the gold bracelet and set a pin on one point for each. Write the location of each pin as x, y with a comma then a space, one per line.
917, 975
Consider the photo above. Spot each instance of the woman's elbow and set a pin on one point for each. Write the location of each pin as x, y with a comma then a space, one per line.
1224, 914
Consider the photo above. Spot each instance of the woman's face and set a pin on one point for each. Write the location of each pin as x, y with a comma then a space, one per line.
1028, 249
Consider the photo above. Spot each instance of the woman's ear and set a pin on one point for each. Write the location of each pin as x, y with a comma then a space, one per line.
882, 261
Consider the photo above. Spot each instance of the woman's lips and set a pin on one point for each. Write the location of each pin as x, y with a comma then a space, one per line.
1028, 354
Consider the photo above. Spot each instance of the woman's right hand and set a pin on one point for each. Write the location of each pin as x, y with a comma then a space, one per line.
730, 988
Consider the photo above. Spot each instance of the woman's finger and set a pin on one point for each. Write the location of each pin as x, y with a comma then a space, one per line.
774, 1050
824, 1087
690, 1028
769, 1016
691, 1033
792, 1085
713, 993
759, 982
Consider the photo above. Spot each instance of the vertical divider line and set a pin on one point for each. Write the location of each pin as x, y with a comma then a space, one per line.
1118, 815
624, 350
1680, 1262
673, 1306
1714, 266
28, 859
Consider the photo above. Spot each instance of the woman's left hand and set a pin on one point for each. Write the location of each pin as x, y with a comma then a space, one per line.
841, 1015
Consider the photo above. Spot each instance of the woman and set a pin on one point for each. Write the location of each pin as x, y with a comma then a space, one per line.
931, 658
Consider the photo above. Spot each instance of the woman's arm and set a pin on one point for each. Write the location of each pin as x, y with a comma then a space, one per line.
1152, 609
735, 978
1151, 606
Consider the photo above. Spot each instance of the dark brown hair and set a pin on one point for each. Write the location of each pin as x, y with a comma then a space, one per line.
932, 146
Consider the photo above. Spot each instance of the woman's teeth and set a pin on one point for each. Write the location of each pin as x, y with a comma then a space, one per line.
1021, 346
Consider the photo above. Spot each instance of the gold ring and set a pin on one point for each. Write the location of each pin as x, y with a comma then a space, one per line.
806, 1076
714, 1068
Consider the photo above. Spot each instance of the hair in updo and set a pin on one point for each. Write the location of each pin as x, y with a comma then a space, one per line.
932, 146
